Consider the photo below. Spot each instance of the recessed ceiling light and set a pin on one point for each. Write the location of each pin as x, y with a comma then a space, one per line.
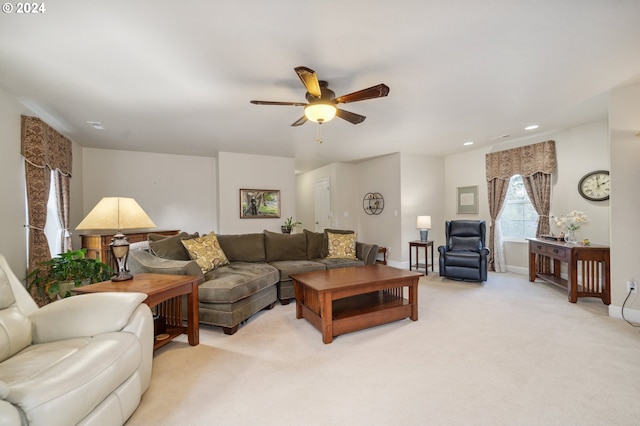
96, 125
532, 127
468, 143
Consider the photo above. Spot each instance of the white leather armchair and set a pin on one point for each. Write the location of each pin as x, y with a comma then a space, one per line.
80, 360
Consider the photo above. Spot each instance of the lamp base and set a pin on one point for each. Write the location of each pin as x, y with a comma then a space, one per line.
424, 233
122, 276
120, 251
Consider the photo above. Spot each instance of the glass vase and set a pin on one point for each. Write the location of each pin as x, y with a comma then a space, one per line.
570, 237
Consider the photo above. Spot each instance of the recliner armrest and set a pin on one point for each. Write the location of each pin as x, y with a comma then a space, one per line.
367, 252
141, 261
84, 316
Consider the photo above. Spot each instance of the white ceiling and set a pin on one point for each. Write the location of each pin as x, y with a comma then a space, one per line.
177, 76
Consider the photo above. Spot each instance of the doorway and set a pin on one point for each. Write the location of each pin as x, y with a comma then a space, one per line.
322, 205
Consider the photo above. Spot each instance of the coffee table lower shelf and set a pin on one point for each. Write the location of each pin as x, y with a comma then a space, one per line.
361, 311
339, 301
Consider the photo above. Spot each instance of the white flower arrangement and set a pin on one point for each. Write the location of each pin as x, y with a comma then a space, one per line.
572, 221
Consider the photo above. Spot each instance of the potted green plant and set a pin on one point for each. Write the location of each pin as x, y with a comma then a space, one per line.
288, 225
66, 271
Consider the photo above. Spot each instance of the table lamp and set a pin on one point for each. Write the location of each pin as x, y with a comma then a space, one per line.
117, 213
424, 224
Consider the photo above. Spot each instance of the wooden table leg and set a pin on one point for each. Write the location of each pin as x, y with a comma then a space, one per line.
413, 300
410, 261
193, 326
326, 315
572, 281
297, 289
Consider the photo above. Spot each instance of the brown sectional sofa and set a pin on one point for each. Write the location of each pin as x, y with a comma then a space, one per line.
258, 273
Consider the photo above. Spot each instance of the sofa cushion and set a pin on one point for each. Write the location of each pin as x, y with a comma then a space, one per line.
315, 244
170, 247
236, 281
15, 327
285, 246
335, 263
465, 244
341, 246
243, 247
206, 252
290, 267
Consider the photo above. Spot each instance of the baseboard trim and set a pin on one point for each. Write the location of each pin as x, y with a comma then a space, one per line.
632, 315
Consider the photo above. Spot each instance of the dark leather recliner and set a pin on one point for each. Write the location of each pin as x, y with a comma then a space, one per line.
464, 257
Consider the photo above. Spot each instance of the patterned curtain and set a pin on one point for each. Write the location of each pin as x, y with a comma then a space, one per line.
535, 163
43, 149
497, 190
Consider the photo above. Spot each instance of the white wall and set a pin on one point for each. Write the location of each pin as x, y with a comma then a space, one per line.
624, 122
246, 171
578, 151
13, 244
176, 191
410, 184
382, 175
345, 205
422, 192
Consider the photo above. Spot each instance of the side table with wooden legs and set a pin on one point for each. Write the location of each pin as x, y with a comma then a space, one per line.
426, 245
164, 292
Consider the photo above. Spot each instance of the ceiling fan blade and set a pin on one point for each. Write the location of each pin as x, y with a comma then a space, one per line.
278, 103
378, 91
310, 80
351, 117
300, 121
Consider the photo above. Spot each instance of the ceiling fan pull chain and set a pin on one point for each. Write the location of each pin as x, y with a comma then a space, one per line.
319, 138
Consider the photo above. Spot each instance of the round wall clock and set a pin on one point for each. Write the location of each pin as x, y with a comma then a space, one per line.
594, 186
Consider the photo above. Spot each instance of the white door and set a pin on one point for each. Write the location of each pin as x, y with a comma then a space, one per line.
322, 205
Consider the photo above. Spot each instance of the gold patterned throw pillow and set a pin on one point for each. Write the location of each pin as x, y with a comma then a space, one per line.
342, 246
206, 252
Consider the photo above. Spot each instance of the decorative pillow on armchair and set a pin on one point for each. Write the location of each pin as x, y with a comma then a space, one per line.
341, 246
206, 252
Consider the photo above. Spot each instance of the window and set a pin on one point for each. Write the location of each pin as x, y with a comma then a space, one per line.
519, 219
52, 228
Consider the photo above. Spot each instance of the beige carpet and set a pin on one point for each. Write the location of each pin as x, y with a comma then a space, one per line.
505, 352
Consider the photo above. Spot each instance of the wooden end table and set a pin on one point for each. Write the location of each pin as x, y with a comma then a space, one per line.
339, 301
164, 292
417, 244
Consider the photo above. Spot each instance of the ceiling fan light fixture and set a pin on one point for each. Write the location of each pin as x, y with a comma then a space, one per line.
320, 112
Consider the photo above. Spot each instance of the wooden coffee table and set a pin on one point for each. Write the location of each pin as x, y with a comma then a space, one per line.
339, 301
165, 293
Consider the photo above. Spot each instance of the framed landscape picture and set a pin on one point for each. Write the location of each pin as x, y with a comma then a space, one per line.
467, 199
259, 203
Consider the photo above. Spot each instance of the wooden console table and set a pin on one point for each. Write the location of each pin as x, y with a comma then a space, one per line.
588, 268
97, 245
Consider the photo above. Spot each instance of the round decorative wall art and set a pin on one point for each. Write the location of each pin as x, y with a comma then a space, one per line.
373, 203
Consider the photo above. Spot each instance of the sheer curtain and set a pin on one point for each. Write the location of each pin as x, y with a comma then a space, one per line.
43, 149
535, 163
62, 182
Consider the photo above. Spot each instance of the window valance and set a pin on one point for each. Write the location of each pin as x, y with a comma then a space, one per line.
525, 160
43, 146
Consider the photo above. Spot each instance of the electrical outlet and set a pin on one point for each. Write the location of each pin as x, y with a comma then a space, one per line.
632, 286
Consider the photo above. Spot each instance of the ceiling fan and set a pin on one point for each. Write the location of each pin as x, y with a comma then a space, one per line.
322, 101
